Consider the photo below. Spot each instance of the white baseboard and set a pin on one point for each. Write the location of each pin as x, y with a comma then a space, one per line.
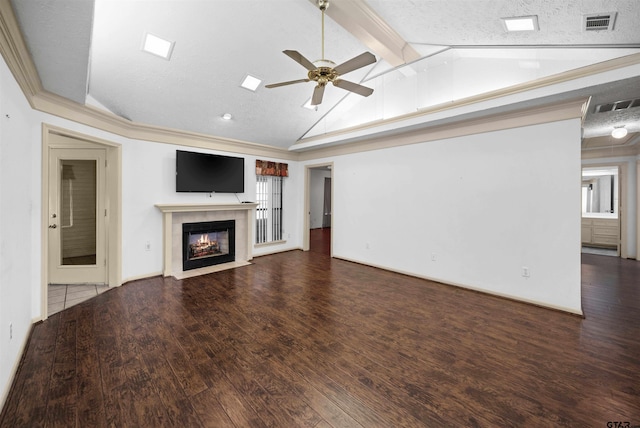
14, 368
470, 287
137, 277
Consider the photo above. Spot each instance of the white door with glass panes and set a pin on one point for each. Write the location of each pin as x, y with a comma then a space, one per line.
77, 216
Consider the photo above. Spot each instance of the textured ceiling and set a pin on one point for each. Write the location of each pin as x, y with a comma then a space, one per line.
89, 52
477, 22
58, 35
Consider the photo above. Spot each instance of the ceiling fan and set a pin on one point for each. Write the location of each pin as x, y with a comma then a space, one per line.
324, 71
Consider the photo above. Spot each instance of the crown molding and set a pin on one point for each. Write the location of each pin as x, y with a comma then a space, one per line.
416, 117
100, 119
630, 147
611, 152
15, 54
573, 109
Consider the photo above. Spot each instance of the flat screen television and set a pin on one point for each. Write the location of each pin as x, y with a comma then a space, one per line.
206, 173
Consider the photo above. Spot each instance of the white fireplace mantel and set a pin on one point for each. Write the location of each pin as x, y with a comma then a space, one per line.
173, 215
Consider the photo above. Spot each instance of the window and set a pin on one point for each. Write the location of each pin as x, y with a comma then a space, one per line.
269, 210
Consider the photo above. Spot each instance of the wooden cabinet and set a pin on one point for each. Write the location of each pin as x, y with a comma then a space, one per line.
601, 232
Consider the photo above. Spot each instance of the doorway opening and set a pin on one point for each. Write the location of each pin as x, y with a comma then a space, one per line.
603, 223
81, 217
318, 223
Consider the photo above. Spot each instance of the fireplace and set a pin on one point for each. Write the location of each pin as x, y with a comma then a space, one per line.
208, 243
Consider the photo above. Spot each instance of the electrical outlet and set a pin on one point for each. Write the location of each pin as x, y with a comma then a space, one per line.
147, 246
433, 257
526, 272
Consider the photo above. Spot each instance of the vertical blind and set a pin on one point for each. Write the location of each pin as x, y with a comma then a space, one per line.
269, 182
269, 210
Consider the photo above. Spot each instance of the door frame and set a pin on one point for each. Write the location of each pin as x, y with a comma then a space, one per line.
113, 203
622, 200
307, 202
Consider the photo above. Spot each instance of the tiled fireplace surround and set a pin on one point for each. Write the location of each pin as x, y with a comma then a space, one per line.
174, 215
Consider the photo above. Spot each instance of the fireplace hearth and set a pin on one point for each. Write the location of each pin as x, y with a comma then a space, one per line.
207, 243
175, 215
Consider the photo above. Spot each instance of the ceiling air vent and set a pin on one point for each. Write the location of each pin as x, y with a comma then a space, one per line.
599, 21
618, 105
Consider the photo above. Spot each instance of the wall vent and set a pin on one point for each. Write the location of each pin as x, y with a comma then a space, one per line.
618, 105
599, 21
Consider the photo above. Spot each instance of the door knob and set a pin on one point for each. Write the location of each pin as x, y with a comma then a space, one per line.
53, 226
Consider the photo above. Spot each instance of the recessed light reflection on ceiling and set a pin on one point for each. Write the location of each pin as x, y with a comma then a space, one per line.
157, 46
227, 116
521, 23
251, 83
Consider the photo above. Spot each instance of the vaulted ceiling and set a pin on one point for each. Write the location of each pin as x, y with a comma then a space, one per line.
90, 52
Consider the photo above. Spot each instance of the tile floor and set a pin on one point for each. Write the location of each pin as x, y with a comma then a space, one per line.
64, 296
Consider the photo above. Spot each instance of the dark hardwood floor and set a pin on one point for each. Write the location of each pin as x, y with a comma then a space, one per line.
320, 240
302, 340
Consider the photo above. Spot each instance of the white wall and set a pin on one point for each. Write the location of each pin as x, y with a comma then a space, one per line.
148, 178
19, 224
316, 197
474, 203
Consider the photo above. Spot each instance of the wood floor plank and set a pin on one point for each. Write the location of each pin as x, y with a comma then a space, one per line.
234, 404
62, 395
228, 342
21, 409
301, 339
90, 408
237, 359
211, 412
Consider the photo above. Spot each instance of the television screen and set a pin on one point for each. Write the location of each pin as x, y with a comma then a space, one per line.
203, 172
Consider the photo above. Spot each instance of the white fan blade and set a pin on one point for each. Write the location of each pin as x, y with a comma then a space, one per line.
355, 63
290, 82
318, 92
353, 87
297, 57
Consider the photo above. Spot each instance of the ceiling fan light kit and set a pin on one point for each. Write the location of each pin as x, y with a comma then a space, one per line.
324, 71
619, 132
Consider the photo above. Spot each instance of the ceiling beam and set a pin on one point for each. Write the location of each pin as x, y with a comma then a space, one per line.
358, 18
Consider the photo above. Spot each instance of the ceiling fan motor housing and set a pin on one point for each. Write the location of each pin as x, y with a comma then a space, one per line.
323, 75
324, 71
